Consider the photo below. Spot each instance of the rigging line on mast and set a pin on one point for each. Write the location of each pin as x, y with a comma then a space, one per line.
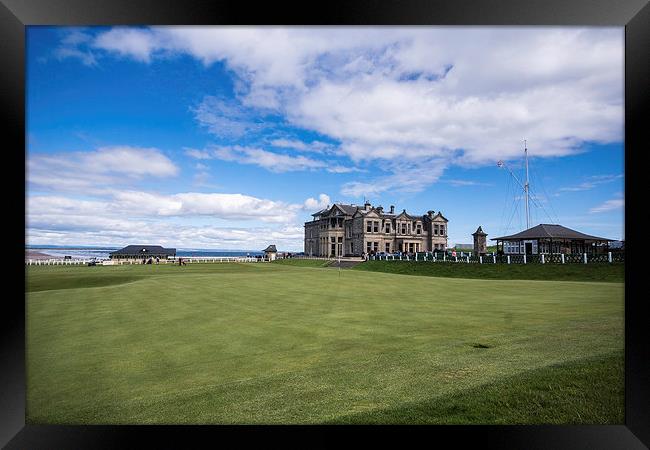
514, 211
538, 198
501, 163
548, 200
527, 186
540, 205
505, 205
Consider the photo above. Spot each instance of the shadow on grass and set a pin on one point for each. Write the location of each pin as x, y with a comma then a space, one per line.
588, 391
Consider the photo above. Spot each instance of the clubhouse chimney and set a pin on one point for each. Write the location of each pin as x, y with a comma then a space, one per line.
392, 209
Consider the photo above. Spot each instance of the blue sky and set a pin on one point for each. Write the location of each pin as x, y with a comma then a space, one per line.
231, 137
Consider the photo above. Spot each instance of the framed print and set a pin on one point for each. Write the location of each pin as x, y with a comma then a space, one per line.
389, 218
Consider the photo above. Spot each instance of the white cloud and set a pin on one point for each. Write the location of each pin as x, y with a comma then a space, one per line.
226, 118
179, 236
132, 42
311, 204
314, 146
216, 205
343, 169
99, 169
458, 183
70, 47
198, 154
592, 182
274, 162
465, 95
609, 205
405, 176
132, 216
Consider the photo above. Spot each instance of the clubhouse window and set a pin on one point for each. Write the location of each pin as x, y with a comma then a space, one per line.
368, 247
376, 227
340, 238
369, 227
387, 227
435, 230
442, 230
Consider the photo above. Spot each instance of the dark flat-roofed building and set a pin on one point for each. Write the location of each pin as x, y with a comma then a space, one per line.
548, 238
142, 252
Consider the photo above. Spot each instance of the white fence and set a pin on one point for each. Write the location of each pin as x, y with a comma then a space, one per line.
58, 262
215, 259
580, 258
117, 262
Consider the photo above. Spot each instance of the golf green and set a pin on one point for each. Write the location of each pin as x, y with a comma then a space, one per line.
281, 343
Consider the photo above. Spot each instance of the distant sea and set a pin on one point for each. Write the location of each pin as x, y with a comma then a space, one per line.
79, 252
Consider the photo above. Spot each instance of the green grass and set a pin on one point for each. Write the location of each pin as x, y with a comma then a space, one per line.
588, 391
278, 343
561, 272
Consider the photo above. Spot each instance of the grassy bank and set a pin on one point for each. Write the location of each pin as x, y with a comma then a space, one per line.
561, 272
277, 343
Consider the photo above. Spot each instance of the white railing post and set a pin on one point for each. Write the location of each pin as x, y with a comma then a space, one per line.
444, 257
585, 257
456, 258
524, 258
480, 260
494, 259
468, 260
508, 259
562, 255
416, 256
542, 258
609, 256
400, 256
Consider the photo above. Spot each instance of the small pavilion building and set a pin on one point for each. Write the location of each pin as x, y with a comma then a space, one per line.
140, 252
551, 239
270, 252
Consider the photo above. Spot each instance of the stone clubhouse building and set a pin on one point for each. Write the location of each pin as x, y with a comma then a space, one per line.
350, 230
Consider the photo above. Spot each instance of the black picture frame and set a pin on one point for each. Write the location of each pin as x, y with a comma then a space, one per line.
15, 15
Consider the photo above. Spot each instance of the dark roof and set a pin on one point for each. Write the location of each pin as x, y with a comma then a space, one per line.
480, 231
546, 231
407, 215
347, 209
270, 248
144, 250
